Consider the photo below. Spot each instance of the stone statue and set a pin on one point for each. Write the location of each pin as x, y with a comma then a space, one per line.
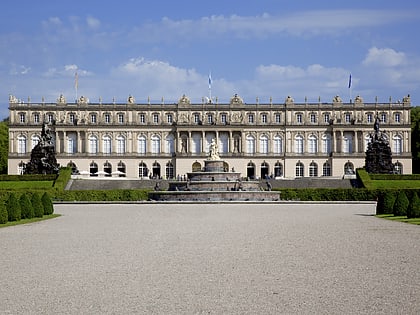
130, 100
61, 99
213, 151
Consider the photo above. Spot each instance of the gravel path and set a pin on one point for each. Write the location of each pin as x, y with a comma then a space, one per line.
211, 259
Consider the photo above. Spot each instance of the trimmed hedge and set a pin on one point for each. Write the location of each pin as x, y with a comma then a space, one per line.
413, 210
13, 208
47, 204
103, 195
4, 216
401, 204
37, 204
26, 208
28, 177
327, 194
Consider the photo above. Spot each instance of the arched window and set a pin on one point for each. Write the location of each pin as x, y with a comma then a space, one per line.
398, 143
348, 168
347, 143
223, 143
73, 167
312, 144
326, 143
250, 170
108, 168
169, 170
300, 170
299, 144
21, 144
398, 168
277, 144
21, 168
35, 140
156, 170
71, 143
120, 144
93, 169
196, 167
264, 170
326, 169
278, 169
155, 144
143, 171
170, 144
195, 144
250, 144
141, 145
264, 144
121, 169
313, 169
107, 144
93, 144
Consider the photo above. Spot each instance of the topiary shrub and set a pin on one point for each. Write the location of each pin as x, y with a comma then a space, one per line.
27, 211
401, 204
47, 203
37, 205
386, 200
3, 213
13, 208
413, 210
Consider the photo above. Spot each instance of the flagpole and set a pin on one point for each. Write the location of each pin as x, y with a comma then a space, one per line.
210, 86
350, 88
76, 83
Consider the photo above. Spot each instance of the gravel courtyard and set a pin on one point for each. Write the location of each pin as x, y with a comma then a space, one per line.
211, 259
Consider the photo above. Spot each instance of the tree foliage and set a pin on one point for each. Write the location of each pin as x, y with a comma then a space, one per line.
13, 208
401, 204
4, 146
37, 204
26, 208
47, 203
413, 210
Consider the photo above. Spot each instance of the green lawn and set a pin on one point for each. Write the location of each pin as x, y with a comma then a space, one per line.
399, 218
26, 221
26, 185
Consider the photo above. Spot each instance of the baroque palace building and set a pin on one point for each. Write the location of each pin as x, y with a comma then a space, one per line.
283, 140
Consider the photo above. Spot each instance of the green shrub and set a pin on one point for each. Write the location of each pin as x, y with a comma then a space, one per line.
3, 213
26, 208
386, 200
401, 204
13, 208
47, 204
413, 210
37, 205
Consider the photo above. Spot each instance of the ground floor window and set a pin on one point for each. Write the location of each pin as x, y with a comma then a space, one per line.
143, 171
313, 169
326, 169
169, 172
299, 169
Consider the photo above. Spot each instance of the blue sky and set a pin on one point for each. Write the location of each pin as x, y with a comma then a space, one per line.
264, 48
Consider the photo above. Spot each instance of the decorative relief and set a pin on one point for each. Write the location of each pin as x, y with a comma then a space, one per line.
184, 100
236, 100
237, 117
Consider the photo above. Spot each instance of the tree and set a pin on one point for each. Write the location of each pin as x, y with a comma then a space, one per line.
3, 213
37, 204
415, 138
26, 208
13, 208
413, 210
47, 203
385, 205
4, 146
401, 204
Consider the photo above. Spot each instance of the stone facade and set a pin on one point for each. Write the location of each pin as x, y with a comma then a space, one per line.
282, 140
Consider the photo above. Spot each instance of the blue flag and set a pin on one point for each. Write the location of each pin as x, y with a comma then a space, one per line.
210, 81
350, 81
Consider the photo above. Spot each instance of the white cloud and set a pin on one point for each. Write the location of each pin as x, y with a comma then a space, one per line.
19, 70
66, 71
92, 22
384, 57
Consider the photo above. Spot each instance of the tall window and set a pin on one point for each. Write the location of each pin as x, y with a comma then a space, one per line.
195, 143
347, 117
264, 144
299, 144
71, 143
398, 168
169, 171
223, 118
299, 169
170, 144
209, 118
141, 145
264, 119
22, 117
107, 118
155, 118
397, 117
277, 118
21, 144
383, 118
251, 118
36, 118
120, 144
312, 144
250, 144
197, 118
120, 118
143, 171
107, 144
326, 169
326, 143
93, 118
313, 118
278, 169
313, 169
50, 118
155, 144
299, 118
327, 118
347, 143
93, 144
35, 140
277, 144
397, 144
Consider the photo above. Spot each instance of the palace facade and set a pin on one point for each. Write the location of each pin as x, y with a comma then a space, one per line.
281, 140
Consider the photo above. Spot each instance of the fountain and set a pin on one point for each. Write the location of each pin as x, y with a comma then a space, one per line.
214, 184
378, 154
43, 159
